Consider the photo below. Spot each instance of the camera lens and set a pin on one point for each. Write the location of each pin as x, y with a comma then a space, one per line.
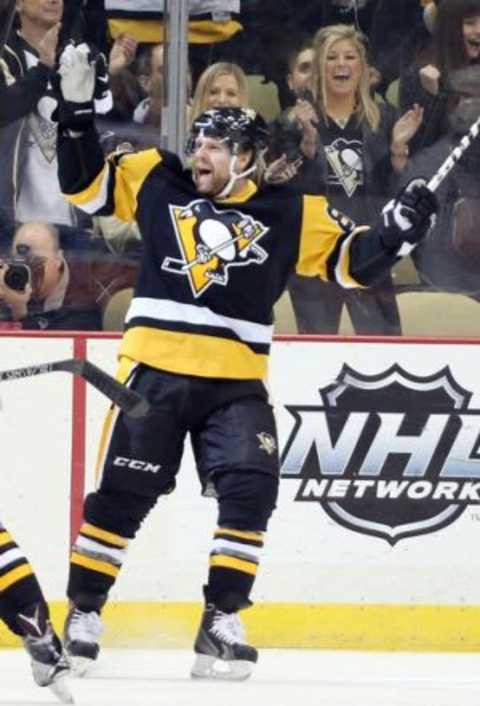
17, 277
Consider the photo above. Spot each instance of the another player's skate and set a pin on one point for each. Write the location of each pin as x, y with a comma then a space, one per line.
221, 647
50, 665
82, 631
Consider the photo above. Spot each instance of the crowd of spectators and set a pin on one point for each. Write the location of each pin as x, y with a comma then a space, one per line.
369, 93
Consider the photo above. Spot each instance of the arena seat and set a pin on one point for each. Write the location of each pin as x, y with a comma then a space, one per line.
404, 273
431, 314
438, 314
115, 310
263, 97
284, 316
392, 92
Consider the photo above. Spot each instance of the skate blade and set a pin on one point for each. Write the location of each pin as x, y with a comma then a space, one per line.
60, 688
207, 667
80, 665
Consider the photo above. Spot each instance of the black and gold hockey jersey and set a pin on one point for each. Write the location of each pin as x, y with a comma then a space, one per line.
211, 270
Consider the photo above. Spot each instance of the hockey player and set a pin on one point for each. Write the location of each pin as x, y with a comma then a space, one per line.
24, 610
197, 345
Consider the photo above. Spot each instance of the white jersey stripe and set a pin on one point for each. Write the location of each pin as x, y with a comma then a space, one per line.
90, 545
101, 198
347, 283
9, 557
166, 310
222, 544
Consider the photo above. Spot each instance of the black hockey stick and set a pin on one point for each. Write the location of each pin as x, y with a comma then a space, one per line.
129, 401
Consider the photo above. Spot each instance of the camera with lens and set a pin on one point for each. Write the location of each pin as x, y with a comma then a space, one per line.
19, 273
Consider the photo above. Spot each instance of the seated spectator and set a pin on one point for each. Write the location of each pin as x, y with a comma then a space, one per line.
65, 291
124, 83
455, 45
221, 85
150, 78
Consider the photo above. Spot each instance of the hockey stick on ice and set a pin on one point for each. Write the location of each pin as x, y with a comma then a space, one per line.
129, 401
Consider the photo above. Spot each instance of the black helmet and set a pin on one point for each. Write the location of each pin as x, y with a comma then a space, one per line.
240, 128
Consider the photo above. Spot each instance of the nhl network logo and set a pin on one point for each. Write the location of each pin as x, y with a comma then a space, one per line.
390, 455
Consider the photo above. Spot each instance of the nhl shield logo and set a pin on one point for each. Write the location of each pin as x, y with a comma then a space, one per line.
390, 455
211, 242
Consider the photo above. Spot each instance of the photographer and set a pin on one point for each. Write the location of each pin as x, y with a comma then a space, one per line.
43, 288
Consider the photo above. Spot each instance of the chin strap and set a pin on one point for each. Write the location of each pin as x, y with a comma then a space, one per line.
227, 189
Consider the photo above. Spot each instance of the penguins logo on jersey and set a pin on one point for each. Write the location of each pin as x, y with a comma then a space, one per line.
211, 242
345, 159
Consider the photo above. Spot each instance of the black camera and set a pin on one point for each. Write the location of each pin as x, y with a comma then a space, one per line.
18, 274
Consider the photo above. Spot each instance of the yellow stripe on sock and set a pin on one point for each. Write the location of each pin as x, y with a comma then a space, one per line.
100, 566
229, 562
5, 538
256, 536
17, 574
98, 533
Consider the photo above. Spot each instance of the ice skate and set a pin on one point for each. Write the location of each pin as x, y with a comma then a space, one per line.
82, 631
221, 648
50, 665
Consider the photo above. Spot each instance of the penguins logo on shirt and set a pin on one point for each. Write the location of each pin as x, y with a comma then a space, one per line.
346, 163
211, 242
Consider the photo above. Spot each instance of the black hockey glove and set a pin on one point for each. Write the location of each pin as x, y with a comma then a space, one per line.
103, 99
408, 217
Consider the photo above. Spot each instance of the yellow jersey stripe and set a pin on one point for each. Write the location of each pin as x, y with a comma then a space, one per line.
130, 175
193, 354
110, 537
107, 430
15, 575
96, 192
256, 536
318, 239
229, 562
244, 194
94, 565
5, 538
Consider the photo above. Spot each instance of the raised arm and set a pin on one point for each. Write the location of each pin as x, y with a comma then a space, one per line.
97, 185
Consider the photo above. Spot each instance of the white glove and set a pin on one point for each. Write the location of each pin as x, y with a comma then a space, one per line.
77, 73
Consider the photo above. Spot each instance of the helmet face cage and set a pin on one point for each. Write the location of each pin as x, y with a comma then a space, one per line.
240, 128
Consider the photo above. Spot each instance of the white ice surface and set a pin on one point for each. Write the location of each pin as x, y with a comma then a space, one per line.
281, 678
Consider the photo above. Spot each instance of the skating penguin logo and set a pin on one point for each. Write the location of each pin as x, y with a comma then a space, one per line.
211, 242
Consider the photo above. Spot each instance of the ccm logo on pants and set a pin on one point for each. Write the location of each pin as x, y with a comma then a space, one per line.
136, 465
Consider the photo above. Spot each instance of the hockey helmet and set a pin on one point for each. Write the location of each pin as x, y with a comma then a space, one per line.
240, 128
